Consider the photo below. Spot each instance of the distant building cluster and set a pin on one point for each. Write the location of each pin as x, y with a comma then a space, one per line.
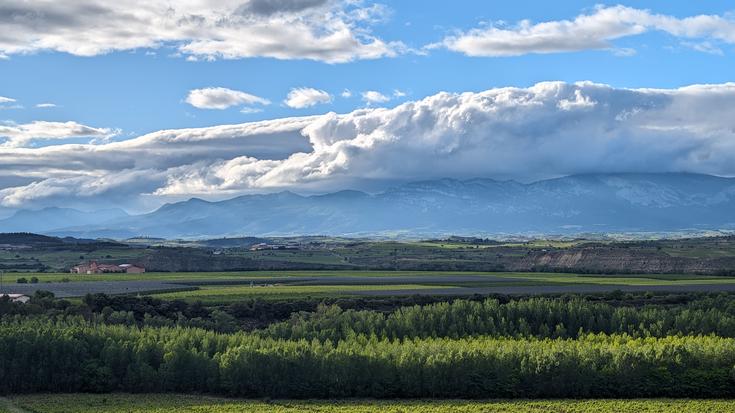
16, 298
93, 267
263, 246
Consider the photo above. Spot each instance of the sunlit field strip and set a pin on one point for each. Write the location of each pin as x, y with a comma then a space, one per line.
236, 292
619, 279
123, 403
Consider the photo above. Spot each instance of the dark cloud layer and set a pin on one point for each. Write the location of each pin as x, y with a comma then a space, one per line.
270, 7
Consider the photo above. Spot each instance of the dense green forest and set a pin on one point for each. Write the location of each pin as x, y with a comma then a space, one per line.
408, 317
533, 317
595, 346
43, 356
246, 314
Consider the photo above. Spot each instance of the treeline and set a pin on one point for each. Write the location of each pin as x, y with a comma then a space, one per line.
42, 356
533, 317
407, 317
153, 312
245, 315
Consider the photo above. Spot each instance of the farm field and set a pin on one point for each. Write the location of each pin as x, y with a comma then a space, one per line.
153, 403
233, 293
230, 275
227, 287
542, 277
636, 279
385, 284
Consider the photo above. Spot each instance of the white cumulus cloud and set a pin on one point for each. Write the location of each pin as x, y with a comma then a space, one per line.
304, 97
19, 135
250, 110
592, 31
325, 30
373, 97
9, 103
46, 105
221, 98
704, 47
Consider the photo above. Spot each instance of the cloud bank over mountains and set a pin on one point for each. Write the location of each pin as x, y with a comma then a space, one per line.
548, 129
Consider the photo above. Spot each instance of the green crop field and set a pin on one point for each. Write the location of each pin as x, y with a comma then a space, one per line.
601, 279
223, 287
226, 294
124, 403
232, 293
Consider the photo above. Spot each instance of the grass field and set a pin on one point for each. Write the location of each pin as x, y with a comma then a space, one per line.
124, 403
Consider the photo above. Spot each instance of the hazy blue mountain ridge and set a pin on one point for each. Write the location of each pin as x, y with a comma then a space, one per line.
579, 203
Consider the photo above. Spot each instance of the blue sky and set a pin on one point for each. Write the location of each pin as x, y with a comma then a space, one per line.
141, 93
110, 86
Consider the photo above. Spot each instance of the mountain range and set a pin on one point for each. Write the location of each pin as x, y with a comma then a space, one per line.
597, 203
